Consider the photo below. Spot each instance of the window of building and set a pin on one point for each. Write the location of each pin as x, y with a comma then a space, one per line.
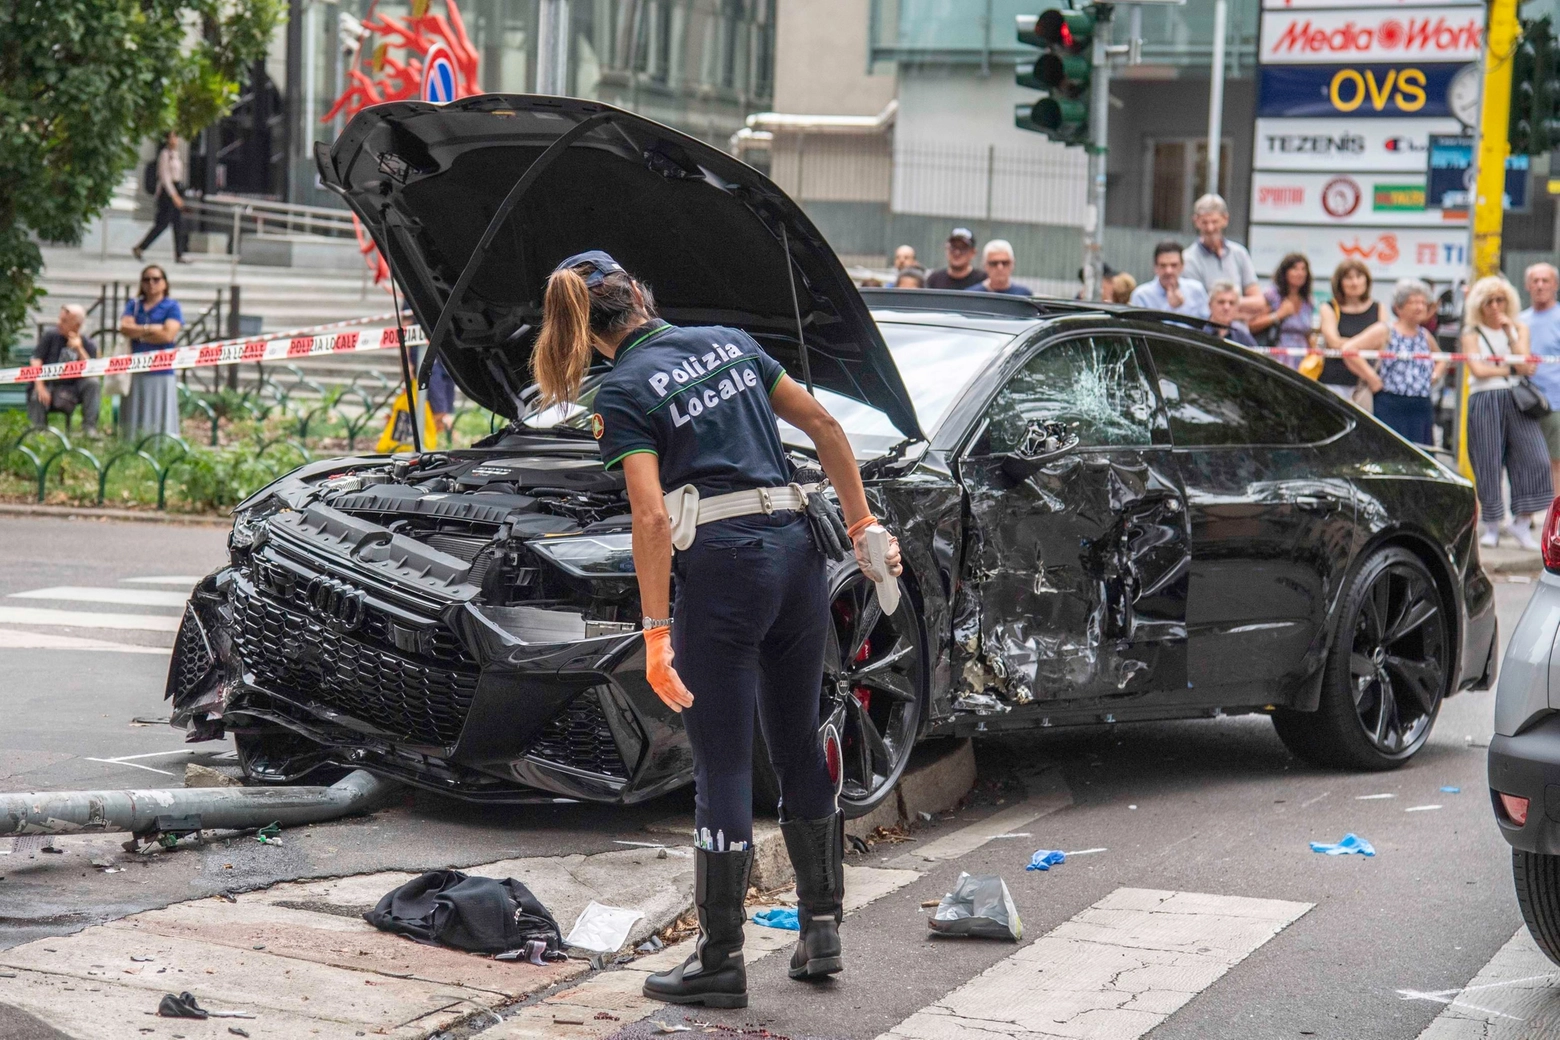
1215, 399
1178, 175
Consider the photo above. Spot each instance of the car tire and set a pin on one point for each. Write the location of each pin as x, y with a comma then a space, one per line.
1386, 674
1537, 879
898, 723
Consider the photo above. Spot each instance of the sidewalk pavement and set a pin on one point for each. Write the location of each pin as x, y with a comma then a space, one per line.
299, 957
1510, 558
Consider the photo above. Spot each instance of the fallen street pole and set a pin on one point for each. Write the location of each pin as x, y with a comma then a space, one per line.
343, 337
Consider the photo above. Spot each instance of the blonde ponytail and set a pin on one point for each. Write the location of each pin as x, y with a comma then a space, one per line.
562, 353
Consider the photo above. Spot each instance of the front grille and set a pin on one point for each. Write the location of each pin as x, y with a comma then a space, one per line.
579, 737
192, 658
430, 638
291, 653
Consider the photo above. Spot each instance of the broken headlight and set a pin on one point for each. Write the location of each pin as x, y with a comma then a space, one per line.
590, 555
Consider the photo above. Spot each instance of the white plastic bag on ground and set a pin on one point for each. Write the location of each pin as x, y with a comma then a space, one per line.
602, 929
978, 906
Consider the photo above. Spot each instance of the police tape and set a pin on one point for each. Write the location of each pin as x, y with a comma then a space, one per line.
1406, 355
315, 341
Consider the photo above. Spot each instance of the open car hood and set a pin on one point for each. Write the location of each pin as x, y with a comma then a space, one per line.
707, 233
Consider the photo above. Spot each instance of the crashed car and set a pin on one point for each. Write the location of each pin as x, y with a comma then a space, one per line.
1105, 515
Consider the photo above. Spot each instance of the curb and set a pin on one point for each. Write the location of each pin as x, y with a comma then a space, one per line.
105, 513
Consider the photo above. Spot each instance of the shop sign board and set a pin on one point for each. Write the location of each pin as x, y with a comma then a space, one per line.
1395, 199
1343, 146
1450, 161
1354, 5
1435, 254
1355, 91
1329, 37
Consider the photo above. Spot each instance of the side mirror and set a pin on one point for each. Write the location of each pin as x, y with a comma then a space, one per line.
1043, 443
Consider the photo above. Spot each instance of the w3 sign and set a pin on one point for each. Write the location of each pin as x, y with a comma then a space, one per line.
1355, 90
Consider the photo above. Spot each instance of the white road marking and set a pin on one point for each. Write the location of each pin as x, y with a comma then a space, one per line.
1421, 808
1312, 801
1085, 852
1514, 997
187, 580
1372, 797
1116, 970
12, 639
132, 765
87, 619
118, 597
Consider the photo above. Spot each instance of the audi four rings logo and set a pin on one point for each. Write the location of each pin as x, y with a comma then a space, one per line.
338, 601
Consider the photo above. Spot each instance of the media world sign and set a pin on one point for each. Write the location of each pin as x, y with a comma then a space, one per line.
1325, 37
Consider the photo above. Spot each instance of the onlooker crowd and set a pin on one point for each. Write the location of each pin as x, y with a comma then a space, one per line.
1215, 280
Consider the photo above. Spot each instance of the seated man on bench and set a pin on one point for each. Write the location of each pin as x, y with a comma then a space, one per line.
65, 342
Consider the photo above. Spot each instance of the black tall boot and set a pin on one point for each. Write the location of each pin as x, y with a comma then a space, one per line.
817, 849
714, 975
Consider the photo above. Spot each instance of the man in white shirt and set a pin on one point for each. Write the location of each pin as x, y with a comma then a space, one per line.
170, 201
1214, 258
1543, 323
1169, 291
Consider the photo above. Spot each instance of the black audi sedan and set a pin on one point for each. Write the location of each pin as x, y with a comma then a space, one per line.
1106, 515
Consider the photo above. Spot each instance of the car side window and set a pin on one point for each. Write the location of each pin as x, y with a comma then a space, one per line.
1214, 399
1092, 384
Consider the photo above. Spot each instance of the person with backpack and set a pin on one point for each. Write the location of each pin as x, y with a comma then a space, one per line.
164, 178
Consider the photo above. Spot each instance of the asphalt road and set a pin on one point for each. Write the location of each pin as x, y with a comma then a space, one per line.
1215, 807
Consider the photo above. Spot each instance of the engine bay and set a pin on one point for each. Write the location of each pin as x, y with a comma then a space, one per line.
493, 527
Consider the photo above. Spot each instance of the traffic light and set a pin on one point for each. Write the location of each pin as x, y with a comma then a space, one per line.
1063, 71
1534, 126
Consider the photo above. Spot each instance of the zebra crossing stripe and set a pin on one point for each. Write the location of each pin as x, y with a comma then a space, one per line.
17, 639
1113, 972
1511, 998
117, 597
87, 619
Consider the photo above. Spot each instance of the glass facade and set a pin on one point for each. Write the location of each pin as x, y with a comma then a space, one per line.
980, 32
701, 66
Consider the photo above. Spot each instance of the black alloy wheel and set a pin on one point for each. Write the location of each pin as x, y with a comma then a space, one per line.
1387, 671
870, 712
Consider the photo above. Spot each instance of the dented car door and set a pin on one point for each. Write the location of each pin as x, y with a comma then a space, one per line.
1075, 580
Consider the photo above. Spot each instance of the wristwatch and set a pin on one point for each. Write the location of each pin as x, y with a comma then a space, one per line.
655, 622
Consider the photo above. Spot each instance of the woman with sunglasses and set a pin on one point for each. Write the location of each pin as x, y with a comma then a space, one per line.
151, 322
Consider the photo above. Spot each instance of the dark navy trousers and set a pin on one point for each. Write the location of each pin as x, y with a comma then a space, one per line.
752, 614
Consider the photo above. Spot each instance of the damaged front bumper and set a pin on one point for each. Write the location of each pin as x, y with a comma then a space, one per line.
314, 666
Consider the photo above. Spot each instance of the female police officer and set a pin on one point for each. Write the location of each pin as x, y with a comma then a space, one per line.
693, 409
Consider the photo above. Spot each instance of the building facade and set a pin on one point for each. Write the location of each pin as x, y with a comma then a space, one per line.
701, 66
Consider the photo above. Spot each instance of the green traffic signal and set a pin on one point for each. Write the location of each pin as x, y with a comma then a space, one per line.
1534, 124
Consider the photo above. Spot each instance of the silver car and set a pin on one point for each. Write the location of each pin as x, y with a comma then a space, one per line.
1525, 751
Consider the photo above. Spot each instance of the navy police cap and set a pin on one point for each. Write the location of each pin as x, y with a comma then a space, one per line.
600, 262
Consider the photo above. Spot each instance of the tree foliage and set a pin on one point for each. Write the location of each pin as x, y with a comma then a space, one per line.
82, 82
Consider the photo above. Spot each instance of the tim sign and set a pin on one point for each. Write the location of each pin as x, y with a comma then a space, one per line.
1334, 37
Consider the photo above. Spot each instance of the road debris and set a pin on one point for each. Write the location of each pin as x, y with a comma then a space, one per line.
237, 1031
567, 1020
651, 945
601, 928
1087, 852
1349, 843
670, 1027
270, 834
979, 906
181, 1005
476, 914
1045, 859
779, 917
532, 952
1451, 790
197, 775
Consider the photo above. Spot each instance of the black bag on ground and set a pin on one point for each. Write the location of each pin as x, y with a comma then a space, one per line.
483, 915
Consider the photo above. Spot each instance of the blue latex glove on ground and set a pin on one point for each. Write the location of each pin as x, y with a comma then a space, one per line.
1043, 859
779, 917
1349, 843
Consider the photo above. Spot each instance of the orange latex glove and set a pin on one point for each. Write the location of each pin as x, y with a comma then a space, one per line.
664, 680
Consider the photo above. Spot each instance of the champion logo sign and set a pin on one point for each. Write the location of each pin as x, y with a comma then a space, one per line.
1298, 37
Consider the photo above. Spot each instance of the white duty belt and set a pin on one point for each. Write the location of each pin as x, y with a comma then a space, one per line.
687, 510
